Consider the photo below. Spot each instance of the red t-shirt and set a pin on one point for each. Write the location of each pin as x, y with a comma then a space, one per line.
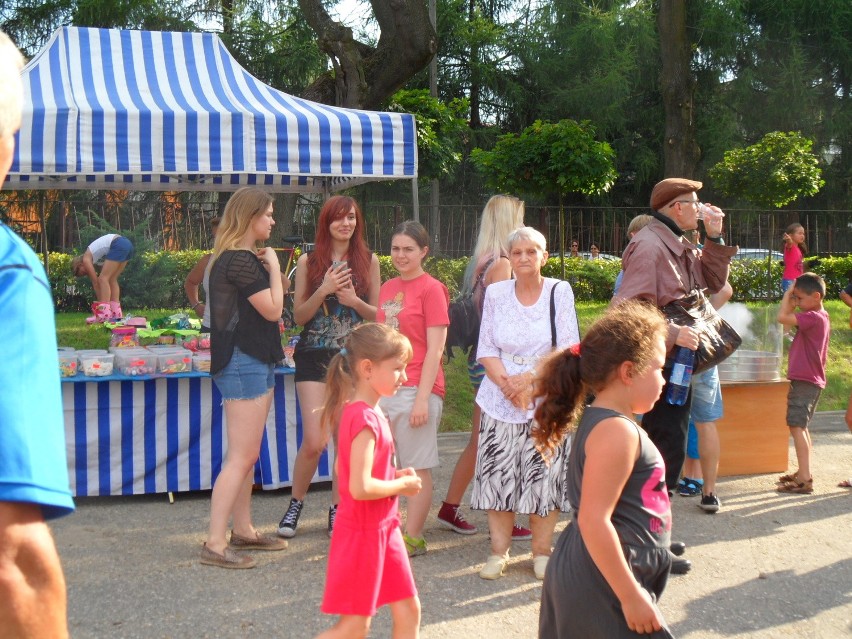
809, 349
794, 264
412, 306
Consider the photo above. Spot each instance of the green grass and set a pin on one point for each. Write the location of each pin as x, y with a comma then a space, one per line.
73, 331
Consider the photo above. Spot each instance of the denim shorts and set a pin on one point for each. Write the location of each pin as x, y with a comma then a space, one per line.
120, 250
244, 377
706, 397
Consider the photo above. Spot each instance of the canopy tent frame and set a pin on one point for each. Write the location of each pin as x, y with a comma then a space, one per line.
165, 111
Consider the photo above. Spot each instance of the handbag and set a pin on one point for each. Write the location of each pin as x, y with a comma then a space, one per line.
464, 315
717, 339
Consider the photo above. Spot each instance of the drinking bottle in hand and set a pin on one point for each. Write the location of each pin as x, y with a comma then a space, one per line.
681, 377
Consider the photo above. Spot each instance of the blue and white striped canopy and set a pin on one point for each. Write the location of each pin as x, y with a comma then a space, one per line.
143, 110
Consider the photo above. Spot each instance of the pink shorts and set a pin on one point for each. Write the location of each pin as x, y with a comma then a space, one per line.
367, 568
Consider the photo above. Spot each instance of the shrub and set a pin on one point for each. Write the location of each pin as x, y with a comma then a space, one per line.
155, 279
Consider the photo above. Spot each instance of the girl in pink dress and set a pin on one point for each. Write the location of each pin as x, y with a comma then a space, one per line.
368, 565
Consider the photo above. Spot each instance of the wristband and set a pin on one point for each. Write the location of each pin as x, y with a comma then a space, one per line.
196, 305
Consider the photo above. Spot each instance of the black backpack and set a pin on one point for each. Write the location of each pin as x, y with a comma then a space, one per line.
463, 331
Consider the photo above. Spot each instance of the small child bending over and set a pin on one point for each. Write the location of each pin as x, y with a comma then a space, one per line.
805, 370
368, 564
612, 562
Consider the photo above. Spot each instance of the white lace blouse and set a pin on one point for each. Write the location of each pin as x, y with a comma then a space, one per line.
512, 329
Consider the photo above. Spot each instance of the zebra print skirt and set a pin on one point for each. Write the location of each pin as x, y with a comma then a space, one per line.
511, 475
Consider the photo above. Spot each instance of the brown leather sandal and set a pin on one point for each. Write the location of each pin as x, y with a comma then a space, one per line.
803, 488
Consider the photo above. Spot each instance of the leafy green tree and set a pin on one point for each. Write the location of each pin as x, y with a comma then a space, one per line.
549, 158
774, 172
441, 130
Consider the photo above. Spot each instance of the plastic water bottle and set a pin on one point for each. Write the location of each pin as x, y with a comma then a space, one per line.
681, 377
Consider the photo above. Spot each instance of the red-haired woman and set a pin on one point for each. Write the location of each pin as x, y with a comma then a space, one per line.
337, 287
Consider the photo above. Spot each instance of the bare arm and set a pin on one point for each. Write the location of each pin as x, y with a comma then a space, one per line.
611, 452
270, 301
500, 270
787, 312
363, 485
436, 337
32, 586
846, 298
88, 265
192, 284
721, 297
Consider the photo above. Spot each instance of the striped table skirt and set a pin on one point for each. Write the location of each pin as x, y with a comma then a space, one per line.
129, 436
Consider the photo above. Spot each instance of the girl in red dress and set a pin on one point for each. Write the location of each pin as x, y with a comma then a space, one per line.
368, 565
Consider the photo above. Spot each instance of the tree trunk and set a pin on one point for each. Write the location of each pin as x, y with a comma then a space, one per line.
364, 77
680, 150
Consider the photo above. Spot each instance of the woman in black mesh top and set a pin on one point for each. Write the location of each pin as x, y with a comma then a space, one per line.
246, 300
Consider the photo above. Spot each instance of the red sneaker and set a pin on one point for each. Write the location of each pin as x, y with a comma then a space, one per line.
450, 517
519, 533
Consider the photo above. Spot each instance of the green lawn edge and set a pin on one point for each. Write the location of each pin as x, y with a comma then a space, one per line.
458, 403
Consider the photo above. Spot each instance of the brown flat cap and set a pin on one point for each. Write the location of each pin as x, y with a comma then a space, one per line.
667, 190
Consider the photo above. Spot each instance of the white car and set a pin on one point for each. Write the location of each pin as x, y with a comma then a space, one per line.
758, 254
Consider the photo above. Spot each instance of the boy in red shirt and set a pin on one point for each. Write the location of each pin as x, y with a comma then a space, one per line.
805, 370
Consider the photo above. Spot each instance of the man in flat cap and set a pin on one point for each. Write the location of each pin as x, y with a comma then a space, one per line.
33, 470
661, 266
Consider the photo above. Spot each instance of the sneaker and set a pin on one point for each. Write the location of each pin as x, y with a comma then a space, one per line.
803, 488
495, 567
258, 542
288, 523
228, 558
450, 517
540, 566
709, 503
519, 533
688, 487
332, 513
415, 546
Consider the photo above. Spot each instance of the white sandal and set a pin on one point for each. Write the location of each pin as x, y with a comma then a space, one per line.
494, 566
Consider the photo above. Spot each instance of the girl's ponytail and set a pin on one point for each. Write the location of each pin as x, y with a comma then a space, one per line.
338, 388
561, 390
625, 333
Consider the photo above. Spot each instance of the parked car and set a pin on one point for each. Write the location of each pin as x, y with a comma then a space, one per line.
758, 254
601, 256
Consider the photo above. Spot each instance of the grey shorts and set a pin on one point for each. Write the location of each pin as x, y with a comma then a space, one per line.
801, 403
415, 447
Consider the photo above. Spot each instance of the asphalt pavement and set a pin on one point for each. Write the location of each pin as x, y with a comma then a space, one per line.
766, 566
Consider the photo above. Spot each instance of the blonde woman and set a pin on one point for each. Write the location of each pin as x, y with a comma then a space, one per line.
488, 264
246, 300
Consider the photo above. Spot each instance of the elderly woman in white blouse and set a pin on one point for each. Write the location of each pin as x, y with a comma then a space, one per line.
517, 330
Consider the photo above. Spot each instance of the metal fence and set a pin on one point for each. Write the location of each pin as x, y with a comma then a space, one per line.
181, 221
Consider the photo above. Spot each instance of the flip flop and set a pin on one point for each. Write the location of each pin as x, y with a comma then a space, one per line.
846, 483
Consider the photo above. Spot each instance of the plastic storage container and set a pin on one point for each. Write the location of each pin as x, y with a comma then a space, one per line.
175, 361
68, 364
135, 361
97, 364
124, 337
201, 362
